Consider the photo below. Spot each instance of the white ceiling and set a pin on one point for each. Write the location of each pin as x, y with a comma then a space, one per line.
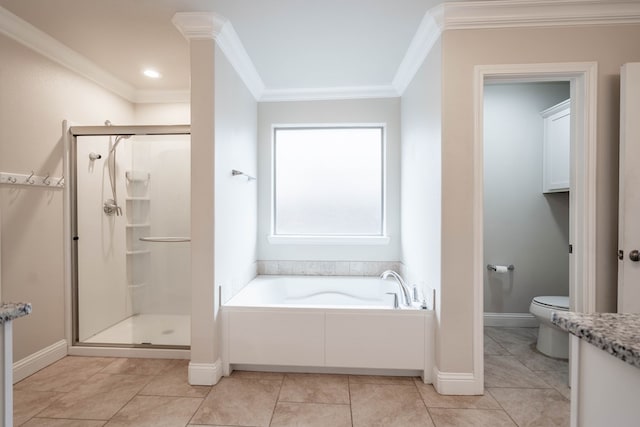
294, 44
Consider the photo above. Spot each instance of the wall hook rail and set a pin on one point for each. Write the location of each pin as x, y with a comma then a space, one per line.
235, 172
31, 180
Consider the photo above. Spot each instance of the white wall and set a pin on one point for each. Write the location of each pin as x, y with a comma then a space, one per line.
37, 95
323, 112
522, 226
236, 118
421, 174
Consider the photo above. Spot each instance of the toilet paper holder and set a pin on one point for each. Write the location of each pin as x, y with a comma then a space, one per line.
492, 267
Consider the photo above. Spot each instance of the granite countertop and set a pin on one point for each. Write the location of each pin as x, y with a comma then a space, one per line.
617, 334
13, 310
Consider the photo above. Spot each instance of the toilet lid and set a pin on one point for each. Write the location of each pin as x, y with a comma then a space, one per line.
558, 303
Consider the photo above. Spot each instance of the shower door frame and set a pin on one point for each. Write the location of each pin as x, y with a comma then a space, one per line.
71, 230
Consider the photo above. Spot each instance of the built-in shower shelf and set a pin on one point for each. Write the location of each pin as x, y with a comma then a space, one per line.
141, 252
137, 286
141, 225
138, 199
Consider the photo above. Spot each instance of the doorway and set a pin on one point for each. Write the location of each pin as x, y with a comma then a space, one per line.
582, 81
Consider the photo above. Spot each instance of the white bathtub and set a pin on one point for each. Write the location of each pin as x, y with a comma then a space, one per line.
325, 323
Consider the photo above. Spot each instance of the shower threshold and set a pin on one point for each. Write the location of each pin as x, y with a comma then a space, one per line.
156, 329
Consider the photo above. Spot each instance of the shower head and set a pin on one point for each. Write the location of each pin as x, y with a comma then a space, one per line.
117, 141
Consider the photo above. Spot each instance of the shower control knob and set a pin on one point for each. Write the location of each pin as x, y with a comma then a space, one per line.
634, 255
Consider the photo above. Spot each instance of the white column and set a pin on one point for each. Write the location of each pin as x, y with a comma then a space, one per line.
201, 30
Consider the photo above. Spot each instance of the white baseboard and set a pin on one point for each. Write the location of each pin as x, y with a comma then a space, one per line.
39, 360
205, 373
511, 320
457, 383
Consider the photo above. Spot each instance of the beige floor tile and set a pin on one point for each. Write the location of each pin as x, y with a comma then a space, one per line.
379, 379
276, 376
435, 400
492, 347
443, 417
51, 422
534, 408
64, 375
174, 382
311, 415
387, 405
27, 403
98, 399
507, 371
530, 357
156, 411
136, 366
506, 336
557, 380
315, 388
236, 401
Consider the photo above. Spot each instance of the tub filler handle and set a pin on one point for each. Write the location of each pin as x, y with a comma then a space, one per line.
396, 303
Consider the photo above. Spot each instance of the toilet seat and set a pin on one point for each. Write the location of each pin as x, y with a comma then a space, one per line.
556, 303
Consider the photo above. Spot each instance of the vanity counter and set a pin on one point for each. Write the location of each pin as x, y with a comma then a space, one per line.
604, 360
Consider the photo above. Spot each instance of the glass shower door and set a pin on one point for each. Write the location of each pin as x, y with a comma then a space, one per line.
133, 285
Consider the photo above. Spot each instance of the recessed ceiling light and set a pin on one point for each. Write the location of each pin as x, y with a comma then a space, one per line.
153, 74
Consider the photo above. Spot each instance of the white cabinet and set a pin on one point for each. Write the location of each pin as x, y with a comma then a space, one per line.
556, 148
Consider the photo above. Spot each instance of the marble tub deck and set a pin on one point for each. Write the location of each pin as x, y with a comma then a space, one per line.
523, 389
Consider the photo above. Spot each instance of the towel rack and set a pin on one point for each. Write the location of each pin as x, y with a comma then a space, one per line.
165, 239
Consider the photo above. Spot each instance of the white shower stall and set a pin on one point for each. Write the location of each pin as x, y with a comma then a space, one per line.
130, 221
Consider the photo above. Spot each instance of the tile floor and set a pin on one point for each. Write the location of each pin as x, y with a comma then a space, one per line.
524, 388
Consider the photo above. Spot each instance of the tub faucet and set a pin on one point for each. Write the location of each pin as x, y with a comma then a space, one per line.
406, 293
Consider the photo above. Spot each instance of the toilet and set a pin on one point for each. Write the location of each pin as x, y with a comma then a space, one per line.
552, 341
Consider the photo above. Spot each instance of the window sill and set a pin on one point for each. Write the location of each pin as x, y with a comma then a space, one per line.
328, 240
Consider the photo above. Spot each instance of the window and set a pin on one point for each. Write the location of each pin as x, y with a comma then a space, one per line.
329, 181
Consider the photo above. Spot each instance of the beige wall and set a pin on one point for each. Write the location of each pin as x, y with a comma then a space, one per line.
37, 95
462, 50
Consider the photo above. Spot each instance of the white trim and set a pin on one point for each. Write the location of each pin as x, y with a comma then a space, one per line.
538, 13
148, 353
456, 383
511, 320
583, 79
205, 373
328, 240
427, 34
207, 25
507, 14
39, 360
329, 93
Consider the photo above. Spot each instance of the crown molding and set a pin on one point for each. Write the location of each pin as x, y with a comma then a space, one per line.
507, 14
538, 13
426, 36
26, 34
206, 25
332, 93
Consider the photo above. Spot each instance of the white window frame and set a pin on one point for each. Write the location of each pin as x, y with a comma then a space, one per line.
278, 239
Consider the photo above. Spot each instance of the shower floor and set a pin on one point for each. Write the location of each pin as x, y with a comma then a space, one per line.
158, 329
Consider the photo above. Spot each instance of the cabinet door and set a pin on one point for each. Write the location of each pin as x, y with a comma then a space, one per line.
556, 152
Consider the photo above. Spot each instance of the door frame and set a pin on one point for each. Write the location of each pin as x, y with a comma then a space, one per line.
583, 79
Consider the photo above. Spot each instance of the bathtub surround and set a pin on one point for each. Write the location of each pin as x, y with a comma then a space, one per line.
327, 268
522, 226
